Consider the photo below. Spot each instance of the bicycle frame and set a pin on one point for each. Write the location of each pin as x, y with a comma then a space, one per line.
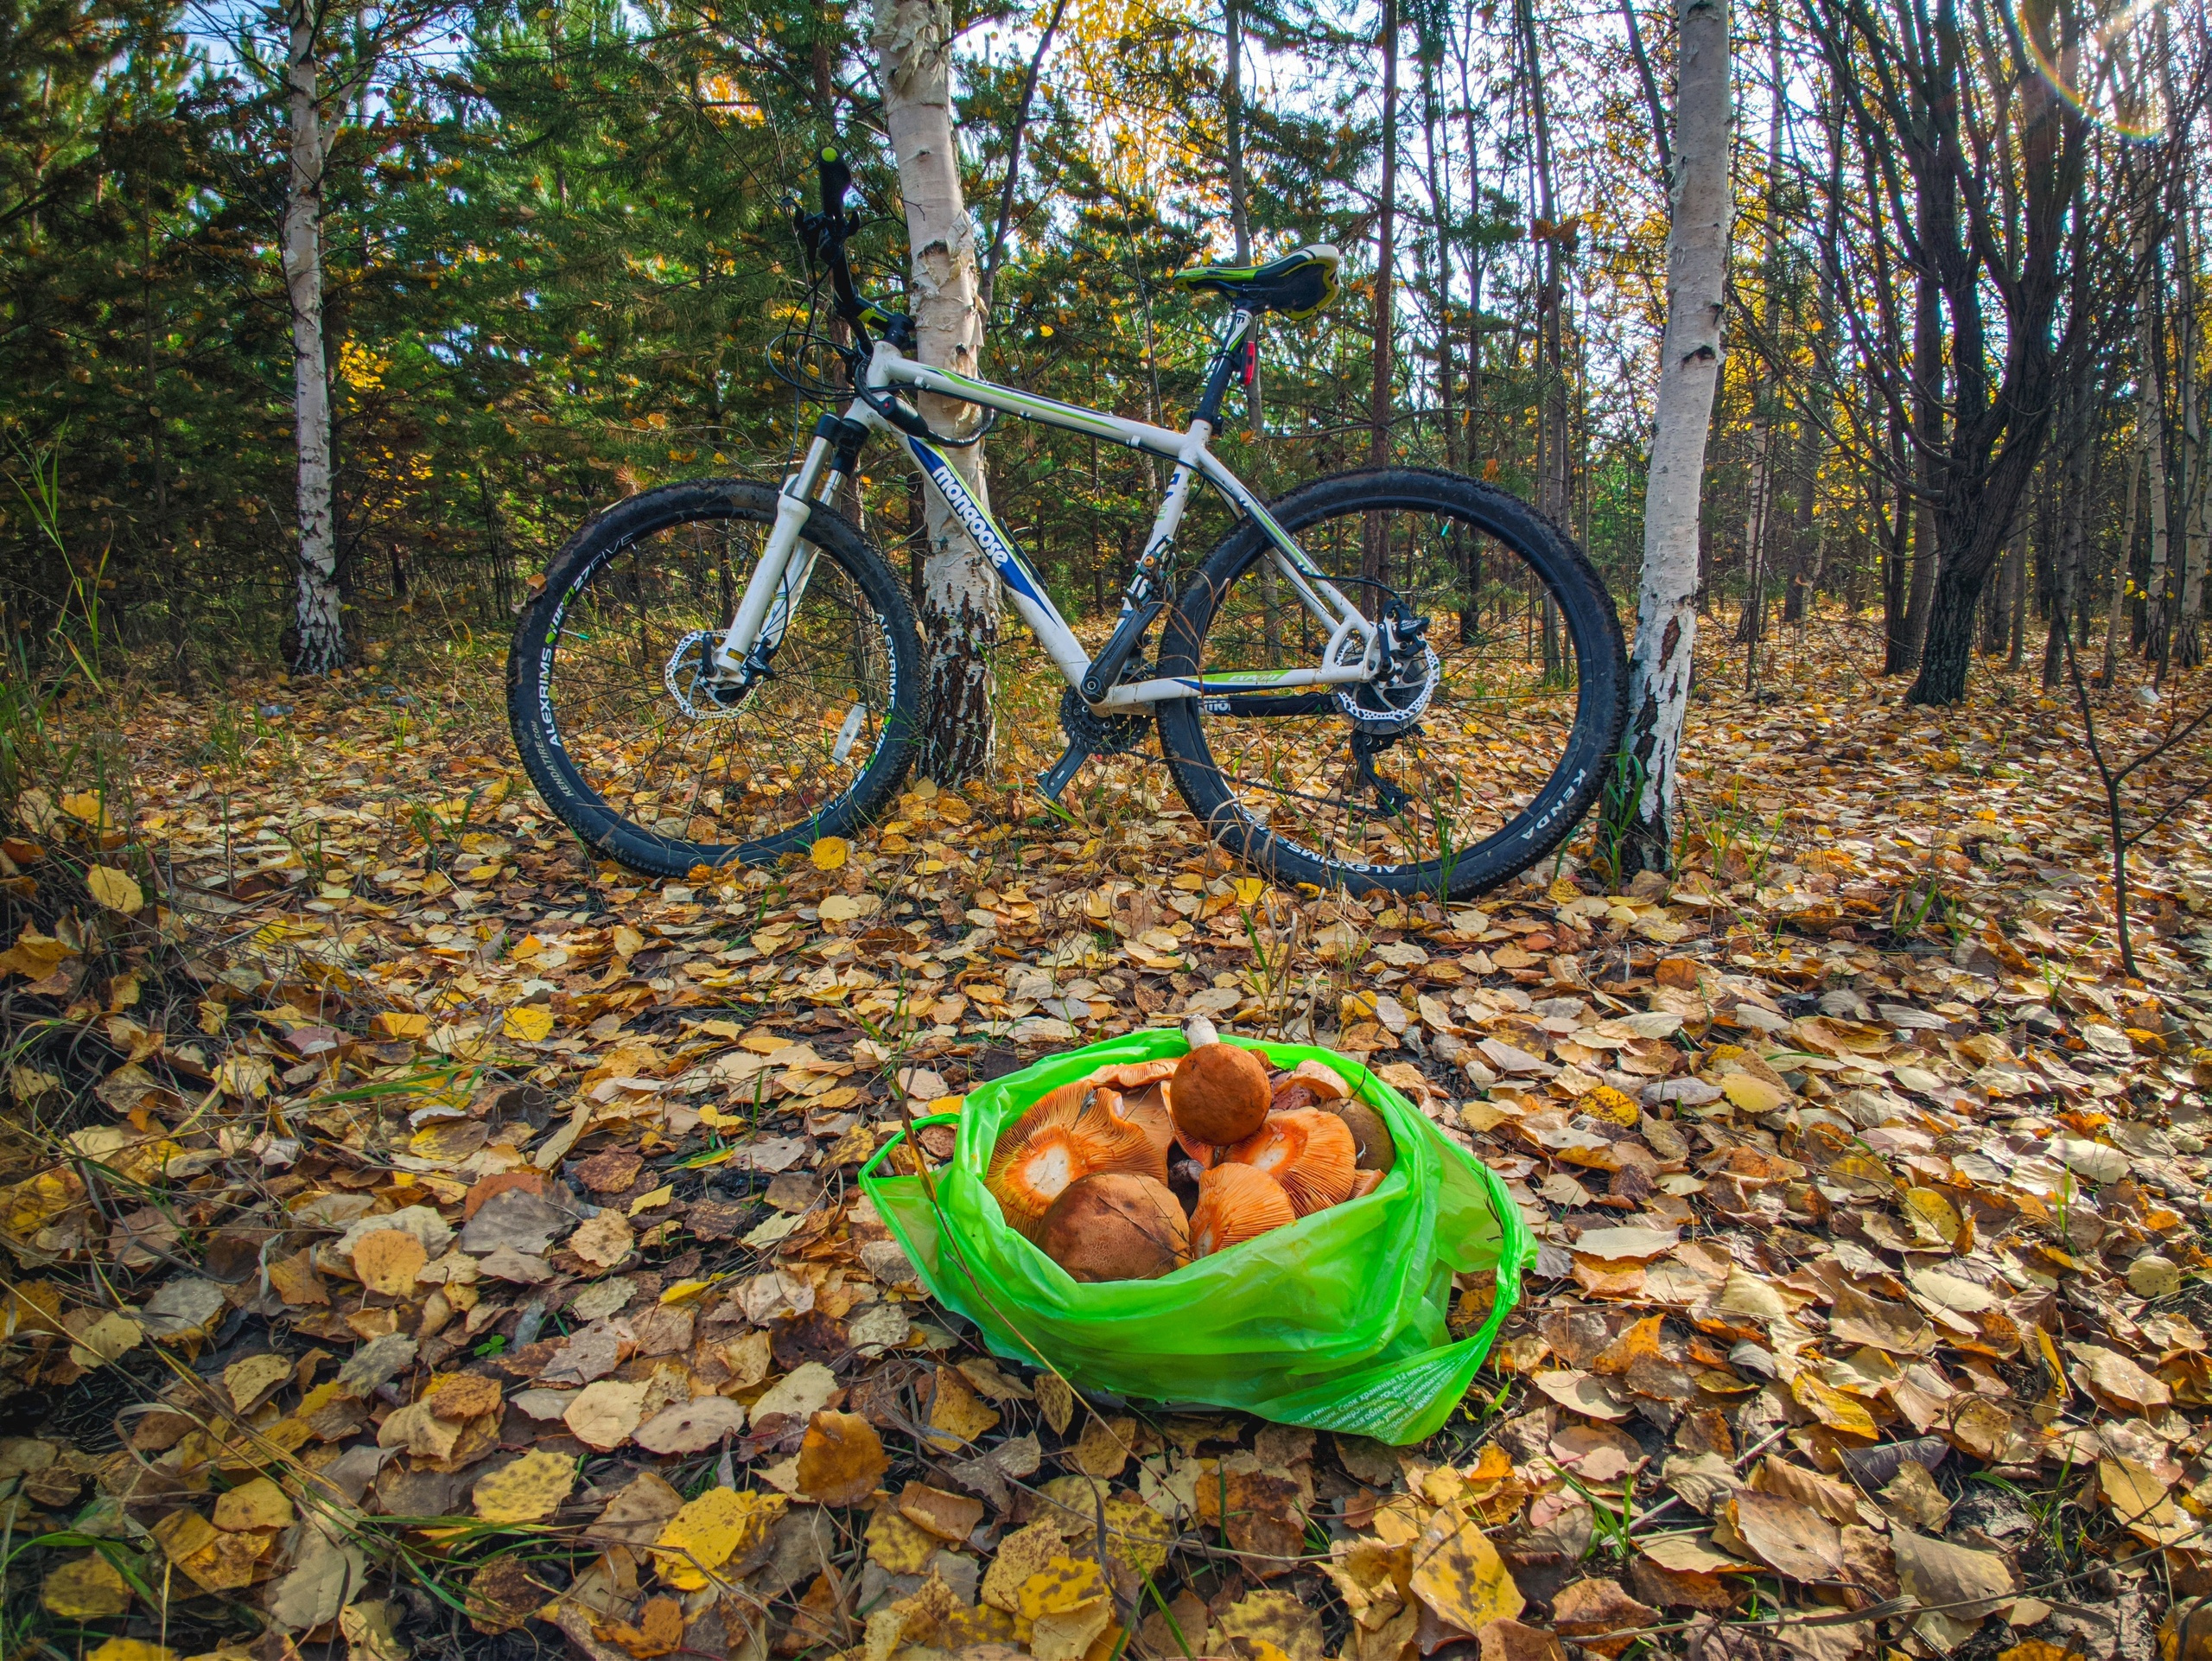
772, 593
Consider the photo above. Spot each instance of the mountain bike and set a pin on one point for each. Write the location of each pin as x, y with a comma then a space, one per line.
727, 670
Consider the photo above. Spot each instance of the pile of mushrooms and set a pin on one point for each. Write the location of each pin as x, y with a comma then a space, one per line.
1145, 1166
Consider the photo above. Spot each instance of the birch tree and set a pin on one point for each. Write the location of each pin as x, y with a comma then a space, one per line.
1640, 814
318, 645
959, 612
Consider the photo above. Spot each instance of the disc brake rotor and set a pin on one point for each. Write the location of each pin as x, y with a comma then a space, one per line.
693, 682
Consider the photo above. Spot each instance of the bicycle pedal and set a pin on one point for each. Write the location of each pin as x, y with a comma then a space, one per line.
1050, 785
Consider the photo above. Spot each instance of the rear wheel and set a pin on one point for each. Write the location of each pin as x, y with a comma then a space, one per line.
617, 715
1525, 694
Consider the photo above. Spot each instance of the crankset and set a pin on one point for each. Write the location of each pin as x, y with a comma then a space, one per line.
1090, 734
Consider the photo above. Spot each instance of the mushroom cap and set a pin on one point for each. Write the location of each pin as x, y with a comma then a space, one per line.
1142, 1097
1237, 1203
1324, 1080
1376, 1152
1366, 1182
1218, 1094
1309, 1152
1072, 1133
1116, 1226
1126, 1076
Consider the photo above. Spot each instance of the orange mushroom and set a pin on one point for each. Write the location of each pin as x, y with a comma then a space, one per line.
1142, 1100
1310, 1153
1369, 1135
1237, 1203
1324, 1080
1116, 1226
1364, 1183
1219, 1093
1068, 1134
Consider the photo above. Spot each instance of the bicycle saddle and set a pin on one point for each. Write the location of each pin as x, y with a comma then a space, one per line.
1298, 285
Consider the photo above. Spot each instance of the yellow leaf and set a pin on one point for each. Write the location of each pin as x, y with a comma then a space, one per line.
1249, 890
250, 1380
711, 1530
114, 1333
1832, 1407
1606, 1102
131, 1649
527, 1491
88, 1588
830, 853
85, 806
1459, 1573
528, 1023
1063, 1584
115, 889
897, 1546
259, 1504
1754, 1095
957, 1414
388, 1259
1925, 1207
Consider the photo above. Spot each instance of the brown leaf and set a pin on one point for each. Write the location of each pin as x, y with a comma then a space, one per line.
841, 1459
502, 1595
1594, 1605
1792, 1539
949, 1516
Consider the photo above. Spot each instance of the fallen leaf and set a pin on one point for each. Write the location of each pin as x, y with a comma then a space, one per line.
85, 1588
116, 890
1459, 1575
605, 1413
528, 1490
709, 1531
691, 1427
1790, 1539
842, 1460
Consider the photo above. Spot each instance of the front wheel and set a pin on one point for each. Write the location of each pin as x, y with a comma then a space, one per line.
1526, 691
630, 737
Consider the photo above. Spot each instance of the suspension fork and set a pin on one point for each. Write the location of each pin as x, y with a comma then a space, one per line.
779, 581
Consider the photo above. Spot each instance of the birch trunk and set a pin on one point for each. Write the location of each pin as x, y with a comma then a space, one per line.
2150, 416
1641, 819
318, 626
2123, 568
2197, 508
1375, 549
960, 589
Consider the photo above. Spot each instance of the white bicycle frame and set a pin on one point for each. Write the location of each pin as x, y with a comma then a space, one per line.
772, 593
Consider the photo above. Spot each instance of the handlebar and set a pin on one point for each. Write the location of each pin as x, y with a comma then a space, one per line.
825, 237
836, 180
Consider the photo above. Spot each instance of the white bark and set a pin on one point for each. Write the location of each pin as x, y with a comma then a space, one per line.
1690, 365
960, 589
2196, 505
2151, 417
320, 644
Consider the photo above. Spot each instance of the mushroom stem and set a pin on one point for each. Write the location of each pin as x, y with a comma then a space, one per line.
1198, 1032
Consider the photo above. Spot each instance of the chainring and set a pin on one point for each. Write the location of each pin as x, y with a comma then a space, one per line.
1103, 735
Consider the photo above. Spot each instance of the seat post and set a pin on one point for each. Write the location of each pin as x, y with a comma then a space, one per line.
1238, 341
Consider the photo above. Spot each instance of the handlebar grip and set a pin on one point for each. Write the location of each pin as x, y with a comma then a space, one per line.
836, 179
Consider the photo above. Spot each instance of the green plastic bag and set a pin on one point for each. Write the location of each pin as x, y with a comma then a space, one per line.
1336, 1321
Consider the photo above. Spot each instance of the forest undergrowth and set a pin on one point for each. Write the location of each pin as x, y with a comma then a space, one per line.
421, 1240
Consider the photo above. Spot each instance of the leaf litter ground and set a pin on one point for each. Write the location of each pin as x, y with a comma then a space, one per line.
423, 1240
